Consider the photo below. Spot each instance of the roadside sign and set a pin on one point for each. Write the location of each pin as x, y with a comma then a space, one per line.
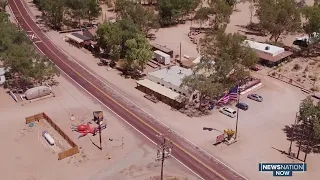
220, 138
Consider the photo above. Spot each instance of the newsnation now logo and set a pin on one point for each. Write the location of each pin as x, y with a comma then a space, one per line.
282, 169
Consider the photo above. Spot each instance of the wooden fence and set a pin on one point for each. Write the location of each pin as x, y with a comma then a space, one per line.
63, 154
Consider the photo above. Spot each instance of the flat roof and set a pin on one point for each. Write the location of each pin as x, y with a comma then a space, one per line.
265, 48
74, 38
159, 89
162, 48
173, 74
161, 53
84, 38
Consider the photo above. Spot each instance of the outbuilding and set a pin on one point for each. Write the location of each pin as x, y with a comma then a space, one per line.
163, 49
269, 55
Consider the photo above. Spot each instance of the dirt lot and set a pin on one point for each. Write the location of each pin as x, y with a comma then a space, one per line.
260, 128
26, 155
303, 71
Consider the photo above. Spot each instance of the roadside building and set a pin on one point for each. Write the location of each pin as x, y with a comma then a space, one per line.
78, 40
165, 83
86, 40
163, 49
269, 55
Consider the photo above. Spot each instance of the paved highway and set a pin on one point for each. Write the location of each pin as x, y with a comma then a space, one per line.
204, 165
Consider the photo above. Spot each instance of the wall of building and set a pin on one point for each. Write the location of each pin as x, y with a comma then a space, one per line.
167, 85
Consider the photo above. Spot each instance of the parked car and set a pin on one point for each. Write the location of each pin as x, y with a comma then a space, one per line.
242, 106
228, 111
255, 97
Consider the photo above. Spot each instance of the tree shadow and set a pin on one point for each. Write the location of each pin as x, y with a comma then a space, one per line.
301, 134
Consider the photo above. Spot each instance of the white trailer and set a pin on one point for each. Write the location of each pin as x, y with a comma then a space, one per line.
162, 57
37, 92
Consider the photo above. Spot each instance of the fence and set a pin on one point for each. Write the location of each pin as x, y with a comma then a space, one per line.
63, 154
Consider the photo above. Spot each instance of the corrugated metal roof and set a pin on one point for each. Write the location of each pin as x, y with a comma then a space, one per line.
85, 38
159, 89
74, 38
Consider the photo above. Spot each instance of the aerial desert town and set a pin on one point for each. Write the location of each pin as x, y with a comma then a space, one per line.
159, 89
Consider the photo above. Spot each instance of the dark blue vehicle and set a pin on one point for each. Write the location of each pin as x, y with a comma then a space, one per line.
242, 106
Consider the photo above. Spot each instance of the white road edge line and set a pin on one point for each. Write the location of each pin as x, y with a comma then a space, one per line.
113, 111
71, 58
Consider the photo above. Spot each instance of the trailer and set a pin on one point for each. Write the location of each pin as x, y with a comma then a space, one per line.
37, 92
162, 57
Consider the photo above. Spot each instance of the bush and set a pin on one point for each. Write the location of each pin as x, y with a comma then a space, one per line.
296, 67
312, 63
315, 88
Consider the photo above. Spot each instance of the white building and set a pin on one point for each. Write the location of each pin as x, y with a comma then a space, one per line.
171, 78
265, 48
269, 55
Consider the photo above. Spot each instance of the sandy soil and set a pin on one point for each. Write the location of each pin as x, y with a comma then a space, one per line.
260, 128
303, 71
28, 156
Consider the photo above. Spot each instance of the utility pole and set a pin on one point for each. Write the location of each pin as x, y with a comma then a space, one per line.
238, 100
164, 152
180, 52
100, 133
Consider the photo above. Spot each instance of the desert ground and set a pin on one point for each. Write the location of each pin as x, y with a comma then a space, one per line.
26, 155
260, 128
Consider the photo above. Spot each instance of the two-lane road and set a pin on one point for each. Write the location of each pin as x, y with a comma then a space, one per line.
201, 163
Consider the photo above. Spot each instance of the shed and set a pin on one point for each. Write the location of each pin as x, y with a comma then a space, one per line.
74, 38
162, 57
86, 40
90, 33
163, 49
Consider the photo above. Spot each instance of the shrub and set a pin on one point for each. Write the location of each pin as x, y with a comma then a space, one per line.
296, 67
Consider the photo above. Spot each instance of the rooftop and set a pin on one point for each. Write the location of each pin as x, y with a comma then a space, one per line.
173, 74
162, 48
159, 89
265, 48
80, 36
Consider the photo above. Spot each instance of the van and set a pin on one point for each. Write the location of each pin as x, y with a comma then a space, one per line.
228, 111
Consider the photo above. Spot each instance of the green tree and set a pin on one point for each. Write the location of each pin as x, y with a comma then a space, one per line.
171, 10
306, 132
312, 23
224, 63
54, 12
202, 15
4, 17
278, 17
76, 9
221, 11
124, 39
92, 10
3, 5
18, 53
144, 18
109, 38
138, 53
